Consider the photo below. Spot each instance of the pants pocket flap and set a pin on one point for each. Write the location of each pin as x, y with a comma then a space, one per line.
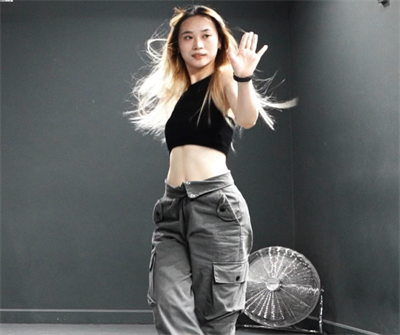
230, 272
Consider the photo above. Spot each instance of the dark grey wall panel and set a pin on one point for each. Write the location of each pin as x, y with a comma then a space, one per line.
78, 184
345, 58
75, 218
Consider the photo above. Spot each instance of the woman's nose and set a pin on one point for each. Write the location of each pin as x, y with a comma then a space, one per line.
197, 44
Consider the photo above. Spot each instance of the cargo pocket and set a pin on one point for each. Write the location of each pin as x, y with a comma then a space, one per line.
151, 299
229, 209
165, 210
157, 212
228, 288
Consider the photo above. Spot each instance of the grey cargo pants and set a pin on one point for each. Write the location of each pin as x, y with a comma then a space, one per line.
198, 267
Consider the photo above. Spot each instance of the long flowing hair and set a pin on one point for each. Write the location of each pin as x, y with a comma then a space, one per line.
156, 94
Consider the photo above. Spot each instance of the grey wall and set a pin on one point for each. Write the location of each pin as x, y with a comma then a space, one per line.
345, 68
78, 184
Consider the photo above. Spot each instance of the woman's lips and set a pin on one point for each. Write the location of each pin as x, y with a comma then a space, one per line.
198, 56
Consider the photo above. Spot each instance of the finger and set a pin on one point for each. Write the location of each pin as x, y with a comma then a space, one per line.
249, 40
262, 50
254, 42
243, 41
230, 53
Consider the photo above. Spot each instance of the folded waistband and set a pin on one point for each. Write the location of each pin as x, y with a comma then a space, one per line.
194, 189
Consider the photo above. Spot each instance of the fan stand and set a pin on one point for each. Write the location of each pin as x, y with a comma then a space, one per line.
293, 328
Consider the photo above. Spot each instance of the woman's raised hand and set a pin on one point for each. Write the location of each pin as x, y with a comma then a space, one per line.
246, 59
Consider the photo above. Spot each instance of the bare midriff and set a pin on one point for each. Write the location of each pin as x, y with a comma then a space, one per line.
194, 163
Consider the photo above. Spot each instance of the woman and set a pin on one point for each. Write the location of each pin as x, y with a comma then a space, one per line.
199, 89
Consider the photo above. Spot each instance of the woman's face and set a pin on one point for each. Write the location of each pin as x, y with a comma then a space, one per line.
198, 44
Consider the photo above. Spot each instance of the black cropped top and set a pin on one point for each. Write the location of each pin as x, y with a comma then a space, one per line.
184, 126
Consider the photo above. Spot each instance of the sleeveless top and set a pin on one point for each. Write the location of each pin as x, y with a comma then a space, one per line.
187, 126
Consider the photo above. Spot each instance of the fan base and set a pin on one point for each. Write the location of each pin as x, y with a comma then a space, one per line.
291, 329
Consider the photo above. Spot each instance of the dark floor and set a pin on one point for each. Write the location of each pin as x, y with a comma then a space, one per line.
50, 329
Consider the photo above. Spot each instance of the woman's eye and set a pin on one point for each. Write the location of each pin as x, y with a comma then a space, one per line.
187, 37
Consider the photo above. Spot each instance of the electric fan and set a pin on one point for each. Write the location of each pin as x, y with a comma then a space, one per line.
283, 288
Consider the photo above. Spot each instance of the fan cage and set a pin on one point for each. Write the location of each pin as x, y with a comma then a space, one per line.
283, 287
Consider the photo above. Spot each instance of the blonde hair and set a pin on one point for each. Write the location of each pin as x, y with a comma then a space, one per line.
156, 94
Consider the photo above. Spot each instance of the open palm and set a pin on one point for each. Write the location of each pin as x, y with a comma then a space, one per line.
246, 59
